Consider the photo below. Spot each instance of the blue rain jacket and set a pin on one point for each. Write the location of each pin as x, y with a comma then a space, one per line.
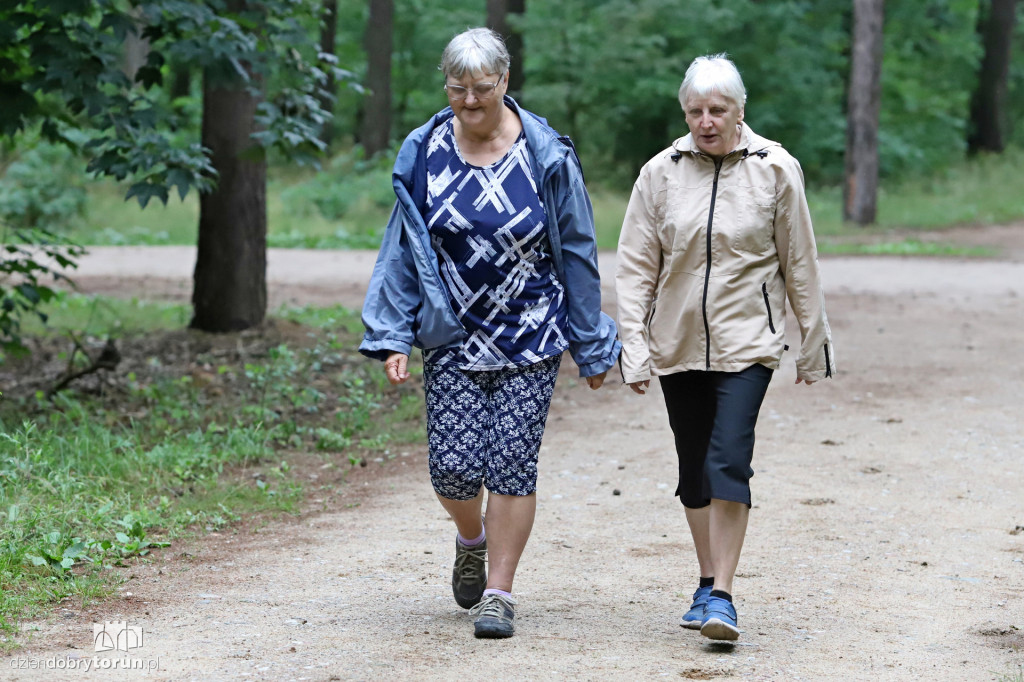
407, 303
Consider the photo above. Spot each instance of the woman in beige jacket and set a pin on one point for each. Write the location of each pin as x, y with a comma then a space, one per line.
716, 237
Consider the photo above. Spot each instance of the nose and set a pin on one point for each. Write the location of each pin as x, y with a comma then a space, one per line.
471, 96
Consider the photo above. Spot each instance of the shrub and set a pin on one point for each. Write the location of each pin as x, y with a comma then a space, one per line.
42, 188
348, 182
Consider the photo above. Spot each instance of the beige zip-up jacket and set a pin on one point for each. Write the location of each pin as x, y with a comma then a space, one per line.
708, 255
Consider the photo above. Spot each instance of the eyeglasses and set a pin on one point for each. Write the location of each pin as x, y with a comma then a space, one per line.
457, 93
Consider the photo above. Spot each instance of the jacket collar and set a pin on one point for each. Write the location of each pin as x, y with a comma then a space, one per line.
546, 149
750, 143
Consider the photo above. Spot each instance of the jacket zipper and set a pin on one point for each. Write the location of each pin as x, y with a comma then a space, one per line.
707, 269
828, 363
768, 306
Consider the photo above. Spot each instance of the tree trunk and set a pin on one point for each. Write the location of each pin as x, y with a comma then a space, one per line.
230, 291
988, 117
860, 191
375, 133
498, 12
136, 50
328, 37
181, 80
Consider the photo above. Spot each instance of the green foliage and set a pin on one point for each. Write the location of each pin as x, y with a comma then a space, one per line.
1015, 91
61, 71
40, 186
923, 123
62, 68
348, 181
91, 481
607, 73
29, 255
349, 187
970, 191
905, 247
99, 317
421, 30
57, 552
294, 219
604, 71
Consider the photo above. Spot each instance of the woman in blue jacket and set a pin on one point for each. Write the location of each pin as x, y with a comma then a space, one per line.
488, 264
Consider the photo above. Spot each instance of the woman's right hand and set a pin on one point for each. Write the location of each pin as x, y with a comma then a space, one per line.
640, 386
396, 367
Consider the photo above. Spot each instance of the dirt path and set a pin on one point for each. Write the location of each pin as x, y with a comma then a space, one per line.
886, 542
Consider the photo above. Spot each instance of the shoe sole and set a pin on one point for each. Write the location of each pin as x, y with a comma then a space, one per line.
493, 632
690, 624
467, 604
720, 630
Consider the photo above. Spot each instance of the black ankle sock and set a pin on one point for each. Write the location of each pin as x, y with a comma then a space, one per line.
706, 582
722, 594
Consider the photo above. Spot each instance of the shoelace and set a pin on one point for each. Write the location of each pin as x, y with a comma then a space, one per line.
493, 605
463, 565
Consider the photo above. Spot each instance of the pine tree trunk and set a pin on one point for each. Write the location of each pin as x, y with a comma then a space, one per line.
375, 133
180, 81
328, 37
498, 12
988, 115
230, 291
860, 191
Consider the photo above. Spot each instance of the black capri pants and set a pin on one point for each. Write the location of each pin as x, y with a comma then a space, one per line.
712, 415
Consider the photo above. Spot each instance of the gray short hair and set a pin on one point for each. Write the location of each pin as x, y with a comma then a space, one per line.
476, 50
713, 73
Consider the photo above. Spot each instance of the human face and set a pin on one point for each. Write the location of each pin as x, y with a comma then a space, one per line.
714, 122
476, 114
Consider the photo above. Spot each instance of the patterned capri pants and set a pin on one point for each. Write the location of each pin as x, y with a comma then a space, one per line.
485, 427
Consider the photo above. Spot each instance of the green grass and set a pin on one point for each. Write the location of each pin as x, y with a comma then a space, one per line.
982, 190
609, 210
1016, 675
101, 316
178, 443
347, 206
905, 247
113, 221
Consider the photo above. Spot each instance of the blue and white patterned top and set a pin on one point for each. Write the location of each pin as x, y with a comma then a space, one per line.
487, 227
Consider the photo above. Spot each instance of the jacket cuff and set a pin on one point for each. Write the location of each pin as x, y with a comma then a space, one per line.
380, 349
637, 375
815, 375
603, 364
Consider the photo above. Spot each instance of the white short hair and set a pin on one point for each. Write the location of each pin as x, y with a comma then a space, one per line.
713, 73
474, 51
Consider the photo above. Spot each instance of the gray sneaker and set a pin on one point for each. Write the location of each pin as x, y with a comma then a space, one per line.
495, 617
469, 576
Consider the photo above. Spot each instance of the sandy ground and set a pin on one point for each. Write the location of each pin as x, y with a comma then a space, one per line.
886, 540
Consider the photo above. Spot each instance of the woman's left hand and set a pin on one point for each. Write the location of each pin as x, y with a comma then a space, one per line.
595, 381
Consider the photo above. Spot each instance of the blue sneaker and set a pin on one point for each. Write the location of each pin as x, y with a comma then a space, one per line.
719, 620
693, 618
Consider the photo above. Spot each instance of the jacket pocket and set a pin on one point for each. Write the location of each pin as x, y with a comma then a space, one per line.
768, 307
650, 315
755, 220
